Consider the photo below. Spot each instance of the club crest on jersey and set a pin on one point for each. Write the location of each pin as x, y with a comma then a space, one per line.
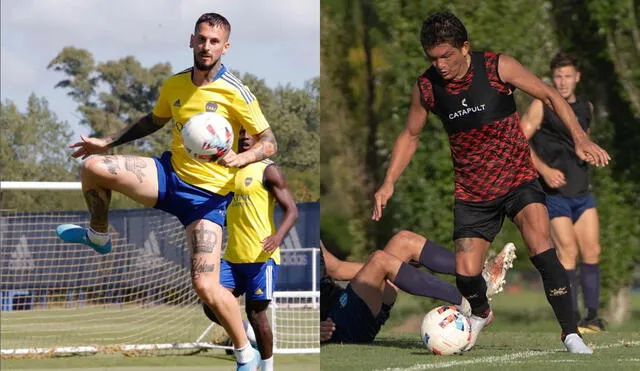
466, 110
247, 181
211, 107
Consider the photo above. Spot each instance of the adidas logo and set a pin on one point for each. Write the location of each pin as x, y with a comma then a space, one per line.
177, 103
258, 292
21, 258
150, 255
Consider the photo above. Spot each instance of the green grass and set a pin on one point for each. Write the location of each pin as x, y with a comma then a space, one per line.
209, 361
524, 335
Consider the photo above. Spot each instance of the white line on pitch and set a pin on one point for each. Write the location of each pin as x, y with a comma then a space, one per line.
500, 359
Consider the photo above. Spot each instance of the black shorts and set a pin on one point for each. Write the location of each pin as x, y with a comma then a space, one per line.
484, 219
353, 319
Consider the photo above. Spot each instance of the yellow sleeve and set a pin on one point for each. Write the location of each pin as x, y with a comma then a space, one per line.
162, 107
249, 114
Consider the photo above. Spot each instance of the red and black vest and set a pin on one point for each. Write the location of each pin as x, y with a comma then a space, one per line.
489, 150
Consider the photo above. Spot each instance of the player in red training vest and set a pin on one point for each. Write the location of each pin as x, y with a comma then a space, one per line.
472, 93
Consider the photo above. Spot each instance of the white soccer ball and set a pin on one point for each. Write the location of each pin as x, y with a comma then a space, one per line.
207, 136
445, 330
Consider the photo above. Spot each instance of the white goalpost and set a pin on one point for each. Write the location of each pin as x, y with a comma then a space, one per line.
65, 298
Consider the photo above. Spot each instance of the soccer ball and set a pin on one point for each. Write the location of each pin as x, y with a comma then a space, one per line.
207, 136
445, 330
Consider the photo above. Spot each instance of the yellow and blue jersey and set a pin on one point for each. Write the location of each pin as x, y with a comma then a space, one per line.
250, 216
226, 95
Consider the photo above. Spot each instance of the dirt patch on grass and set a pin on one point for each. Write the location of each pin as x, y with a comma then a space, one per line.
411, 324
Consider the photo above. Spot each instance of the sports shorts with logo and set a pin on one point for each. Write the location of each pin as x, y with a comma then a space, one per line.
188, 203
353, 319
484, 219
256, 280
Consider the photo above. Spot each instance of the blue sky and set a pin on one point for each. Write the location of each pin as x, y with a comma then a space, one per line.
277, 40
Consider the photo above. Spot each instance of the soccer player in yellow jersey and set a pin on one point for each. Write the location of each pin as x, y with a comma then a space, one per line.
198, 193
250, 262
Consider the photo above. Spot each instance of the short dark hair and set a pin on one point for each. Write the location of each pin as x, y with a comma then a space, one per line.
441, 28
563, 59
214, 19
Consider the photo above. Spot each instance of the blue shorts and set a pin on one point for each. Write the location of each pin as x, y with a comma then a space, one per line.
256, 280
186, 202
571, 207
354, 321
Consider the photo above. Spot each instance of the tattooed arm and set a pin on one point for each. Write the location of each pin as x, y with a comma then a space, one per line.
144, 126
141, 128
264, 147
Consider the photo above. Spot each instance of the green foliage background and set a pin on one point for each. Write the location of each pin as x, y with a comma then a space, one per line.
371, 56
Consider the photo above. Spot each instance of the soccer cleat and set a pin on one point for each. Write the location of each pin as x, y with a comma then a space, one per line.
477, 324
464, 307
590, 326
251, 365
495, 270
76, 234
574, 344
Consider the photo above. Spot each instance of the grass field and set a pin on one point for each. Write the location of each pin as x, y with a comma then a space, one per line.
209, 361
524, 335
138, 325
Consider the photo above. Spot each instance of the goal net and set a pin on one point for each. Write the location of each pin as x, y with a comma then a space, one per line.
65, 298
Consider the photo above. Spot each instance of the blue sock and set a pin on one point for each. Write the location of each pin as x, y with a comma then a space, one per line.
590, 277
417, 282
438, 258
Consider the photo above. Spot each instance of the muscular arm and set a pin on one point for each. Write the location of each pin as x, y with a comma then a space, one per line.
264, 147
530, 122
276, 184
407, 142
514, 73
144, 126
338, 269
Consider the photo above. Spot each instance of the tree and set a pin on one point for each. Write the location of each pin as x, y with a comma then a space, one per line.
34, 148
114, 93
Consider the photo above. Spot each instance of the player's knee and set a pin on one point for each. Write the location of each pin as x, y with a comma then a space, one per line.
591, 254
568, 252
94, 168
379, 259
209, 292
258, 320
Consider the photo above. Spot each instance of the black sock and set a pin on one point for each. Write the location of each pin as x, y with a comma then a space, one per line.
592, 313
438, 258
556, 288
416, 282
573, 281
474, 288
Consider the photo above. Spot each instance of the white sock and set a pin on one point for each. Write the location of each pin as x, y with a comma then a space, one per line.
97, 237
244, 354
266, 364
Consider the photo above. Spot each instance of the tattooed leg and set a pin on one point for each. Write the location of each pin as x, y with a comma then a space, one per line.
98, 202
470, 253
205, 240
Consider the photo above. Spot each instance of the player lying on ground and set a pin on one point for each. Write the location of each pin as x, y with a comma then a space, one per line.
356, 314
250, 263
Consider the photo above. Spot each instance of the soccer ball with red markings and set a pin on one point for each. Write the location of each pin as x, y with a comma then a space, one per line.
207, 136
445, 330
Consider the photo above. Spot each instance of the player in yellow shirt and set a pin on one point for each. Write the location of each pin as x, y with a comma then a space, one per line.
250, 262
198, 193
